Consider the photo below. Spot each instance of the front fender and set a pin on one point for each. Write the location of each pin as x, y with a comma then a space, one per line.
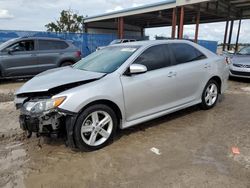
108, 88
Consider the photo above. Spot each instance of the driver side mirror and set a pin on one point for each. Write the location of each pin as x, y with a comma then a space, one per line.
137, 69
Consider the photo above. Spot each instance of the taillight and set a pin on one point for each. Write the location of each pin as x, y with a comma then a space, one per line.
227, 60
78, 54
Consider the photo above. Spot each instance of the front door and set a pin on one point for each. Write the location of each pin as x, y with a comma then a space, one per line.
20, 59
153, 91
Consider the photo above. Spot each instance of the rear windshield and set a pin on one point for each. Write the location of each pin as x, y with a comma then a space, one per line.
106, 60
116, 41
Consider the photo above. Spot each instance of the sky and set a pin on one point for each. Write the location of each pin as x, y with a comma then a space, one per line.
34, 14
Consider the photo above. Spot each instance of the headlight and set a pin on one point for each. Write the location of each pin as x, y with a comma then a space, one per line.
43, 104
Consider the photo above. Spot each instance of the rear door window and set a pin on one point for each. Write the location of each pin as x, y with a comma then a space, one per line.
52, 45
155, 57
185, 53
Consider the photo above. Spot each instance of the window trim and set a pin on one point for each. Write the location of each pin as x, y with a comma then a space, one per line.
38, 44
18, 52
174, 61
155, 45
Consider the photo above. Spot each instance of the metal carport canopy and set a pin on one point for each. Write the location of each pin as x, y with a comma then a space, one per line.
160, 14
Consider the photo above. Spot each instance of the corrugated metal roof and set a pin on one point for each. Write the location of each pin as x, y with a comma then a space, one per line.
131, 11
160, 14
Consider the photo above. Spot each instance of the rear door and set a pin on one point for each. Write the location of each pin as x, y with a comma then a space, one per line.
50, 53
153, 91
192, 72
20, 58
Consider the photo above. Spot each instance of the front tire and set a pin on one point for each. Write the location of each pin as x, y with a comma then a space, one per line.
95, 127
210, 95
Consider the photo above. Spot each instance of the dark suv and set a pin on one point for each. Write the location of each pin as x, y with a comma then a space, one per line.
28, 56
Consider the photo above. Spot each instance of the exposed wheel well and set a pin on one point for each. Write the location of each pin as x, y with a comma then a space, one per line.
110, 104
218, 80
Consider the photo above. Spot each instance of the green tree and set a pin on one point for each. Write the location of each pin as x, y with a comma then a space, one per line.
69, 21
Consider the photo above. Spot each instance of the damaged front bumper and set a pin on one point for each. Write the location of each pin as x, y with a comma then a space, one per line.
41, 115
52, 122
56, 122
45, 123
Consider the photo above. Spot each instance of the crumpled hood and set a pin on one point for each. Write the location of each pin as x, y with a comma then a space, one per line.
57, 77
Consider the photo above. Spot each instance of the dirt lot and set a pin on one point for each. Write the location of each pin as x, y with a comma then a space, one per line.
7, 89
195, 149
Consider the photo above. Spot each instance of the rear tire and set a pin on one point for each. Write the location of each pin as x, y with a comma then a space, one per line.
68, 63
210, 95
95, 127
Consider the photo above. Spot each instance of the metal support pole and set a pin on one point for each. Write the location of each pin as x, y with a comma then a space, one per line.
121, 27
197, 25
118, 28
238, 35
230, 34
178, 30
225, 36
173, 23
85, 28
142, 32
181, 23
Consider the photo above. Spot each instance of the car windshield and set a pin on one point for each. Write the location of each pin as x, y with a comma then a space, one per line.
106, 60
245, 51
115, 41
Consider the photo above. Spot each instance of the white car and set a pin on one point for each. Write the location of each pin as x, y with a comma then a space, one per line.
240, 63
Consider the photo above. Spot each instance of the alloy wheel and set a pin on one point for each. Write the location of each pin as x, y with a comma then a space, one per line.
211, 94
96, 128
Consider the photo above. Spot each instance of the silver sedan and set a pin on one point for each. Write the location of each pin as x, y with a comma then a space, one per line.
240, 63
118, 87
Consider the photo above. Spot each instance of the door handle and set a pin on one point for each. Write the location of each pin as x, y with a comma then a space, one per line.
172, 74
207, 66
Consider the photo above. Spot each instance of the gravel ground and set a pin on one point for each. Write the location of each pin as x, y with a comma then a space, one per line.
195, 150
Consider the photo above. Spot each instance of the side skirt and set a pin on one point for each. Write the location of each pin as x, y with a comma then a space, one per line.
157, 115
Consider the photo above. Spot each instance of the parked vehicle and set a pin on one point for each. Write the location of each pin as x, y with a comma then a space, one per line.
121, 86
28, 56
117, 41
240, 63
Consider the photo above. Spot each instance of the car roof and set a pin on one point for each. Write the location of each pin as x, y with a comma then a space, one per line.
148, 43
40, 38
153, 42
